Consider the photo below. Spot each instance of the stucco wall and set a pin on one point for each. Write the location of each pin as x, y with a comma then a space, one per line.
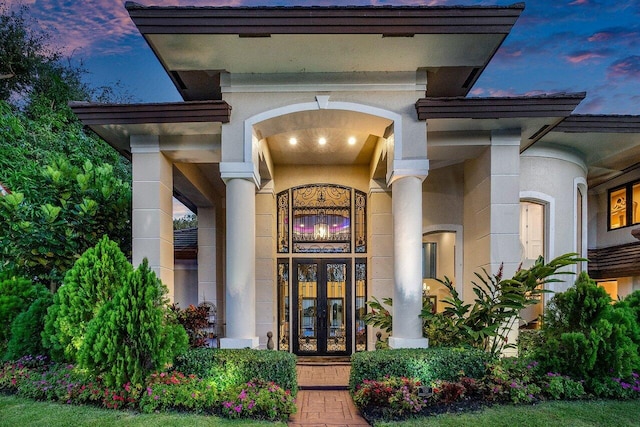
186, 280
552, 175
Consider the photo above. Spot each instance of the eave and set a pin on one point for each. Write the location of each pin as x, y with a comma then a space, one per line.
386, 20
557, 105
170, 112
615, 262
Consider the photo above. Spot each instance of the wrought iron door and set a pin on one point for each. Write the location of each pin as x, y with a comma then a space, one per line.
322, 311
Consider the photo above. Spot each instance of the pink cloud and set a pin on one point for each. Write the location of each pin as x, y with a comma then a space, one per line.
582, 56
626, 68
578, 2
477, 92
602, 36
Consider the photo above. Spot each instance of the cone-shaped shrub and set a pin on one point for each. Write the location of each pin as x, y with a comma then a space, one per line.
134, 334
93, 280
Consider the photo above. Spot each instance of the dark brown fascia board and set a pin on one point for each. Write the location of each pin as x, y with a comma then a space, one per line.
615, 261
170, 112
386, 20
556, 105
599, 123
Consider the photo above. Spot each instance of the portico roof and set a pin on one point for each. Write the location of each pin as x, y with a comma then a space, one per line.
115, 123
196, 44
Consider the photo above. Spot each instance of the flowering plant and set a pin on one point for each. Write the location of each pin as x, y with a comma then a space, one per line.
393, 396
259, 399
177, 391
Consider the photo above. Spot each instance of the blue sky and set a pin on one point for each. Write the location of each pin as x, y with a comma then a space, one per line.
556, 46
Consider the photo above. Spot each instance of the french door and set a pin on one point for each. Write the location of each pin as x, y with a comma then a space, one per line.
321, 316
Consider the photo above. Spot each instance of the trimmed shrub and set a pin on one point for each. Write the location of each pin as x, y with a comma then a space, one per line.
230, 368
93, 280
16, 295
27, 328
133, 334
426, 365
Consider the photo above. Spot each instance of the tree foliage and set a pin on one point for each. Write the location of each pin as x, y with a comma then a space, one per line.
134, 334
64, 196
93, 280
44, 236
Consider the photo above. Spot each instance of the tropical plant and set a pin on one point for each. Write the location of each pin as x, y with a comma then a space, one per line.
133, 334
486, 323
379, 316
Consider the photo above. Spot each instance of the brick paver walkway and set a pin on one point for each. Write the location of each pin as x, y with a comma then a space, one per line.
323, 399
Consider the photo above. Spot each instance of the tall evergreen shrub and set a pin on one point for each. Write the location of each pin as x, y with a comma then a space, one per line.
587, 337
93, 280
134, 334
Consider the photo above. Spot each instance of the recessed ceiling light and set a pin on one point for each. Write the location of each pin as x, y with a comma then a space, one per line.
352, 140
293, 141
322, 141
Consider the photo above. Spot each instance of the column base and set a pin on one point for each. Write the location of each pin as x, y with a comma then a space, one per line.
252, 342
395, 342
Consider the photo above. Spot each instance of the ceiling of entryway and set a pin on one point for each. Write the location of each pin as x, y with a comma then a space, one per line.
337, 127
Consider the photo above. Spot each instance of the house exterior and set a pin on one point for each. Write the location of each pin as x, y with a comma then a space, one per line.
332, 154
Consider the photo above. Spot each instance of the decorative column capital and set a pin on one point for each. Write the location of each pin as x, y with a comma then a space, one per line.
403, 168
240, 170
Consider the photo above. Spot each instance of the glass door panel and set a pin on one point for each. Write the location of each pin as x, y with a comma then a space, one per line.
336, 293
307, 307
322, 315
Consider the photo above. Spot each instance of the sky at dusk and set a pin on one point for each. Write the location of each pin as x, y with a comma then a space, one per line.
555, 46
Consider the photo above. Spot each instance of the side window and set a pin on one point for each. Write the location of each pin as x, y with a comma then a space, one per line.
532, 231
623, 206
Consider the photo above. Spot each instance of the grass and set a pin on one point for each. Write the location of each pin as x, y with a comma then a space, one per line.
600, 413
15, 411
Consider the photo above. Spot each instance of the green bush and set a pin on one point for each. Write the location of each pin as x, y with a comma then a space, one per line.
16, 295
93, 280
26, 330
230, 368
586, 337
134, 334
426, 365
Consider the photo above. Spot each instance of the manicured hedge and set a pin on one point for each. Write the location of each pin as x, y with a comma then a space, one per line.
233, 367
426, 365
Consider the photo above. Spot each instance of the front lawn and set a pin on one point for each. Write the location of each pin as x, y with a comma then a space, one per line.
600, 413
16, 411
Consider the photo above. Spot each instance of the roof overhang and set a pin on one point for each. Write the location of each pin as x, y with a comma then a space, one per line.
452, 43
458, 126
609, 144
115, 123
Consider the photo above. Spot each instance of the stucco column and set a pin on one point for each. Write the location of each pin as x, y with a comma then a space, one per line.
407, 263
152, 216
207, 255
241, 260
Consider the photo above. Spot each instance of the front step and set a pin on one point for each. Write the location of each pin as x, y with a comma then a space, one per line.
323, 360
